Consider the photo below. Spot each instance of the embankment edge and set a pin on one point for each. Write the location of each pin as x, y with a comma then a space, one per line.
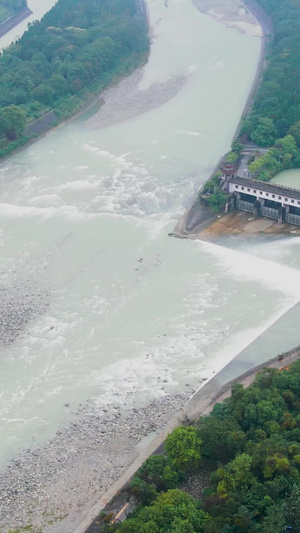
265, 23
201, 403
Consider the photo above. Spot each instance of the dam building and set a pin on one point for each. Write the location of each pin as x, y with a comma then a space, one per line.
264, 199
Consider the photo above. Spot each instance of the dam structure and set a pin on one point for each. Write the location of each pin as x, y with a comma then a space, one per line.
263, 199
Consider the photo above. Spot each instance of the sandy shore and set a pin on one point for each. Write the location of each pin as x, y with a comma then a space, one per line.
234, 14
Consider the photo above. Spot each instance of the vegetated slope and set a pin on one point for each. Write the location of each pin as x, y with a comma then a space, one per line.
278, 97
77, 42
275, 117
252, 443
10, 7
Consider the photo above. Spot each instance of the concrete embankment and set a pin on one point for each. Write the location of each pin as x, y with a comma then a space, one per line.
201, 403
14, 20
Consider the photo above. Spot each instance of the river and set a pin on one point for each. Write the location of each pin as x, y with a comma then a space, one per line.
97, 300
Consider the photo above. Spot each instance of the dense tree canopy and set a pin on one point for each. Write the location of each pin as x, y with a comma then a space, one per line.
12, 122
75, 43
277, 102
252, 443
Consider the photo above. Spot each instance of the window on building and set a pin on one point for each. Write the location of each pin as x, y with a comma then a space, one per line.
285, 199
254, 190
243, 188
279, 197
267, 194
236, 186
292, 201
260, 192
248, 190
273, 195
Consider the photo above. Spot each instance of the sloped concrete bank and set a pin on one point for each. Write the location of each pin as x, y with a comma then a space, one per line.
201, 403
14, 20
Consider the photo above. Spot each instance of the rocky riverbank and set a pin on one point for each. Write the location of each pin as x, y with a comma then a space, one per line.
49, 487
126, 100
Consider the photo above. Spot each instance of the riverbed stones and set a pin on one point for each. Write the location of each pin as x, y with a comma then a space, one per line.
52, 486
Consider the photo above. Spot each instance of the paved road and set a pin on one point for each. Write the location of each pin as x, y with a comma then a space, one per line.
242, 170
13, 21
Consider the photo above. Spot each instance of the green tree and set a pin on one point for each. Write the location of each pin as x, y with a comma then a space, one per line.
217, 200
158, 471
291, 510
144, 492
58, 84
12, 122
265, 132
295, 132
274, 520
44, 94
232, 157
183, 448
287, 145
171, 511
236, 475
221, 439
237, 147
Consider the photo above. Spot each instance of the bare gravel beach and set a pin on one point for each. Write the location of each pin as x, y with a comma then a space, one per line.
50, 486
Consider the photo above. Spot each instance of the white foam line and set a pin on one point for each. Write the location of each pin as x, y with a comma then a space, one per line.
276, 276
238, 343
243, 266
12, 211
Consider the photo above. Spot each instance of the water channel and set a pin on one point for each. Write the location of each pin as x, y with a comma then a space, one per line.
97, 300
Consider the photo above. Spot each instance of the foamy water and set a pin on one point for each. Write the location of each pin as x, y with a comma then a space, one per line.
102, 303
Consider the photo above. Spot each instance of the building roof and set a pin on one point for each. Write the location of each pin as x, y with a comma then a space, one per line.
267, 187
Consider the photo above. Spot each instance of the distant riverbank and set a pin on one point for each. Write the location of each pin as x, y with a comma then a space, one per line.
194, 219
